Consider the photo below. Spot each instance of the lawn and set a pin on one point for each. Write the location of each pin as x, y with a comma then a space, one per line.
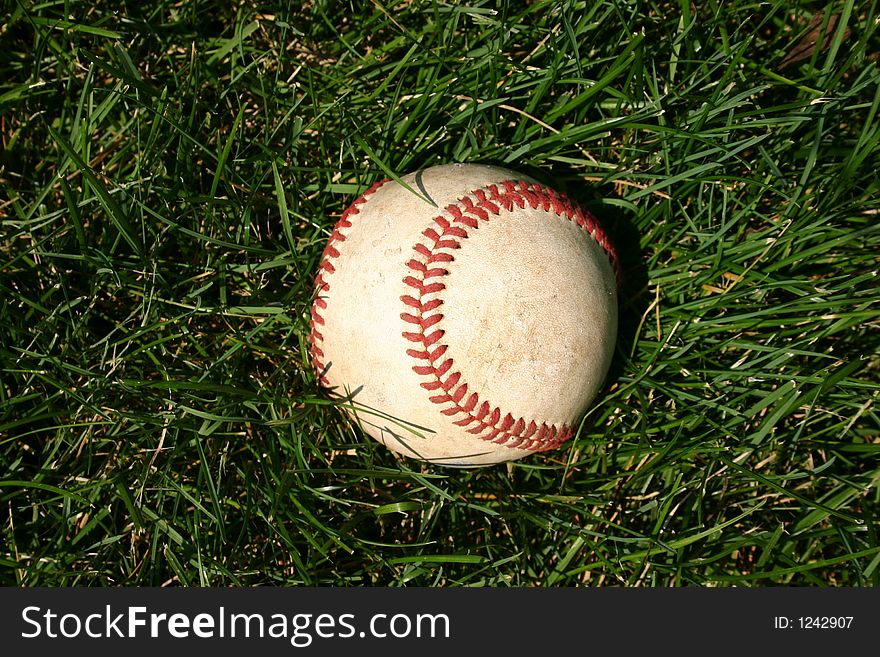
170, 173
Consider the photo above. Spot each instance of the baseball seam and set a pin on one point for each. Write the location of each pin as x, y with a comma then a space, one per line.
322, 286
427, 268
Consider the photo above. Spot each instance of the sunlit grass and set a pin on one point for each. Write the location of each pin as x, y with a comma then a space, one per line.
169, 177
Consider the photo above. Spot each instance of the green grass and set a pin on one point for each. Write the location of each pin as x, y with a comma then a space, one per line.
168, 178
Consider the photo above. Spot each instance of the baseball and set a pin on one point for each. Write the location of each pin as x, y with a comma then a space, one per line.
465, 315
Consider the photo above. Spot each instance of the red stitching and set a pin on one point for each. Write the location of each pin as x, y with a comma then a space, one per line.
322, 286
478, 418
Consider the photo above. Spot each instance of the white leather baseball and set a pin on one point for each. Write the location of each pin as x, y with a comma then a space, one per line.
472, 331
